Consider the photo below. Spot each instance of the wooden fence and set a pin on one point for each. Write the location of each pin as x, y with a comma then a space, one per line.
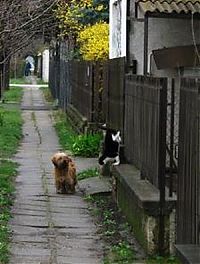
188, 207
113, 93
76, 83
82, 88
145, 125
137, 106
54, 73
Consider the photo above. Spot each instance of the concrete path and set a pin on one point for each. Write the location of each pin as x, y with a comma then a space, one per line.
29, 85
46, 227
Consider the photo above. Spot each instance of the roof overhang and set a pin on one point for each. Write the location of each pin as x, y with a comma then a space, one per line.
169, 7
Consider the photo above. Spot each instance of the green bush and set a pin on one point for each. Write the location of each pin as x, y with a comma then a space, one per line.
80, 145
94, 172
65, 132
86, 145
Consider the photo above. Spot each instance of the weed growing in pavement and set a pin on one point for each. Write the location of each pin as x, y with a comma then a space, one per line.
94, 172
47, 93
122, 253
162, 260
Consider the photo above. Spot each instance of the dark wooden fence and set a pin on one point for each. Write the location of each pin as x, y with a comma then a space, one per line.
188, 207
145, 125
54, 72
137, 106
63, 75
82, 89
113, 93
76, 83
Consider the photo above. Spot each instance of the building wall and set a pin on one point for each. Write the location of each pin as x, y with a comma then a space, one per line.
162, 32
136, 39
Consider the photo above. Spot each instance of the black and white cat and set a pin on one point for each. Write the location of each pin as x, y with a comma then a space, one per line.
111, 147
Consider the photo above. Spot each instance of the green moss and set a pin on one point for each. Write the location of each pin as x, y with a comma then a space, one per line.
135, 216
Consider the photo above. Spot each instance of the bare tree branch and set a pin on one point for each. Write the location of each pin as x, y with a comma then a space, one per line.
21, 22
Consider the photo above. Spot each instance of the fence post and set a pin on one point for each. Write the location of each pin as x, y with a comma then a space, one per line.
161, 162
93, 68
172, 137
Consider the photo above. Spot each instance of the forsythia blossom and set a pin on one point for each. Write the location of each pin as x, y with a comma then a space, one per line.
69, 14
93, 41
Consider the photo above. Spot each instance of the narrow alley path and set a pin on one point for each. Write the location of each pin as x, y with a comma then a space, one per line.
46, 227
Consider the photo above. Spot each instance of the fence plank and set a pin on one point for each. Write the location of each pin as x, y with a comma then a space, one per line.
142, 124
81, 74
114, 83
188, 209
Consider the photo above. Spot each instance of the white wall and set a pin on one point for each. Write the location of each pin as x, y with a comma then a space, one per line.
162, 32
45, 65
117, 24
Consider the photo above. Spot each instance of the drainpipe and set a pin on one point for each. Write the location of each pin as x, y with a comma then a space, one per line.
145, 44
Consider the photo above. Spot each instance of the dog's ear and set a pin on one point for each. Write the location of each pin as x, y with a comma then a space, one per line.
54, 161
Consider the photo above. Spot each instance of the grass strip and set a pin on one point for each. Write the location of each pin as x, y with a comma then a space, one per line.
8, 171
10, 131
10, 136
14, 94
18, 80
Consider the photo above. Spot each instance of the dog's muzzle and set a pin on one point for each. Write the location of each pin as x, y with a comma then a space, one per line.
62, 165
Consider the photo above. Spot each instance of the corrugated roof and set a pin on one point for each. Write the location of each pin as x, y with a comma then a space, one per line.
169, 6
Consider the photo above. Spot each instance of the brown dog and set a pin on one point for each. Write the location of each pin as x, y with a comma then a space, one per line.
65, 173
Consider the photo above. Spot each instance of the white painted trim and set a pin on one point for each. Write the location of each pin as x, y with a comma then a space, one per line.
117, 40
45, 65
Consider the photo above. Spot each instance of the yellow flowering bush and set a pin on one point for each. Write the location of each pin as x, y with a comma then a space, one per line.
69, 15
93, 42
74, 15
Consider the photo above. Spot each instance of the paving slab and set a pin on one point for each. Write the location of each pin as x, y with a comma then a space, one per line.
48, 228
95, 185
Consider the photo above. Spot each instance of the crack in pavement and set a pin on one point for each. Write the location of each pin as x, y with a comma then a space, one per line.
51, 226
